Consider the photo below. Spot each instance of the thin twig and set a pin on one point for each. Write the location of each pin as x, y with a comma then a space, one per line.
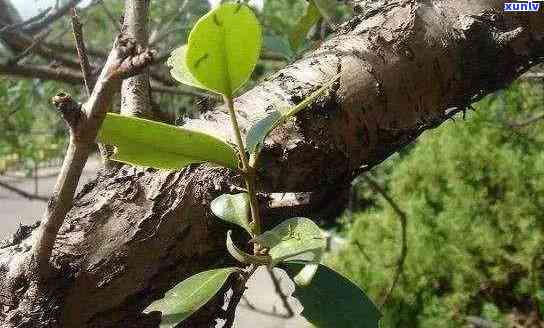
37, 41
404, 247
22, 193
281, 294
527, 122
253, 308
82, 52
49, 19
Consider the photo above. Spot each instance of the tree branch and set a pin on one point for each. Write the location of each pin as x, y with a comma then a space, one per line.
530, 121
136, 91
403, 219
22, 193
83, 122
35, 26
82, 53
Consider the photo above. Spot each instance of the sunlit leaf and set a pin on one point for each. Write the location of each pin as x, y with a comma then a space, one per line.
306, 22
234, 209
330, 300
260, 130
296, 237
189, 296
153, 144
179, 70
224, 47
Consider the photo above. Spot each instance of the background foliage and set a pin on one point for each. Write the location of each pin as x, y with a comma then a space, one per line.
474, 196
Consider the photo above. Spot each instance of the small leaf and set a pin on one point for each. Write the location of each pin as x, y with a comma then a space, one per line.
244, 257
306, 22
296, 237
148, 143
262, 128
234, 209
189, 296
179, 70
224, 47
351, 306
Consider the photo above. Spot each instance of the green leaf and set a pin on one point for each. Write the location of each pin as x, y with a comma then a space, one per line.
262, 128
148, 143
179, 70
351, 306
234, 209
189, 296
296, 237
306, 22
224, 47
244, 257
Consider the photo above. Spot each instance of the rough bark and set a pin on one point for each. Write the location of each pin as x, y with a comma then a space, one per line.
133, 233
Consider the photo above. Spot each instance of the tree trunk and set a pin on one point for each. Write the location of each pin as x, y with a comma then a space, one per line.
133, 233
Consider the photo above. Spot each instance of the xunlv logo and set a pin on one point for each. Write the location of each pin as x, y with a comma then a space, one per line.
526, 6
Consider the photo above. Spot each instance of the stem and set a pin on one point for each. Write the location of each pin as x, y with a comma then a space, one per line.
247, 169
60, 203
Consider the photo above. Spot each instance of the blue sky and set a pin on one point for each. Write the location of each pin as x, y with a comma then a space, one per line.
29, 8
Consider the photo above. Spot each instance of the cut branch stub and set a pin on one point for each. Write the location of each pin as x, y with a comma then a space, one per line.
69, 109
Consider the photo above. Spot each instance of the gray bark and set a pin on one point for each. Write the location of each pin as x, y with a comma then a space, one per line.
134, 233
135, 91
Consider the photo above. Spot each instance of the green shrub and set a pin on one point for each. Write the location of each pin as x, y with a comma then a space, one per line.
474, 196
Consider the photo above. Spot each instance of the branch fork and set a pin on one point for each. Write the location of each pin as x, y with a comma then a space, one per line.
126, 59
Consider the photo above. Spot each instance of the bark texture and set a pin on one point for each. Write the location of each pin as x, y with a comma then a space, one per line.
406, 66
135, 91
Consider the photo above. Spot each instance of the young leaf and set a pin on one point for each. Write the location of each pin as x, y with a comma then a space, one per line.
179, 70
233, 208
224, 47
189, 296
351, 307
292, 238
260, 130
148, 143
306, 22
244, 257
